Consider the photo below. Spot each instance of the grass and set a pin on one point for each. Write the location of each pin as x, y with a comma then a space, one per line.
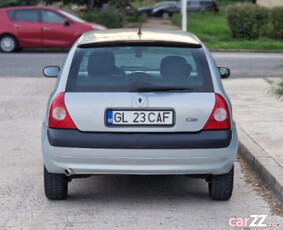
137, 4
212, 28
280, 88
276, 87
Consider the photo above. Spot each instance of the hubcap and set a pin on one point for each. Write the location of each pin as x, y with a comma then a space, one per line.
7, 44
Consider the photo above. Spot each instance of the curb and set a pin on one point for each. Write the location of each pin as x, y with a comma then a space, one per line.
270, 172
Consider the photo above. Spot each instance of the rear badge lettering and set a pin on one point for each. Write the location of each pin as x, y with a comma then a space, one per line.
191, 119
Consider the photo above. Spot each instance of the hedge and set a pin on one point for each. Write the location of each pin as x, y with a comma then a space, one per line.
248, 20
276, 18
109, 18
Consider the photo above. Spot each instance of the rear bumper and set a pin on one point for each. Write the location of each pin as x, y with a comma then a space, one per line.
200, 140
137, 160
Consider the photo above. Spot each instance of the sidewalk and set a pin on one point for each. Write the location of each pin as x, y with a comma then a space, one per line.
259, 118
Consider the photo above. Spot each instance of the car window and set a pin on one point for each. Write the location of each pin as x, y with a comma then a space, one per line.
165, 5
52, 17
26, 15
10, 14
206, 3
194, 3
73, 17
138, 68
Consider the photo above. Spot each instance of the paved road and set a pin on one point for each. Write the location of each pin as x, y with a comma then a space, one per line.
101, 202
28, 64
251, 64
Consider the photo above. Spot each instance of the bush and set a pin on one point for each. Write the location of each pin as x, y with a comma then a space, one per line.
109, 18
5, 3
248, 20
137, 19
276, 18
276, 87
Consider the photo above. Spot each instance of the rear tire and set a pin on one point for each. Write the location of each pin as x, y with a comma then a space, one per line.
55, 185
221, 186
8, 44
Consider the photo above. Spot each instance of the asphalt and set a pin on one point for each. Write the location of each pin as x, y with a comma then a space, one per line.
258, 114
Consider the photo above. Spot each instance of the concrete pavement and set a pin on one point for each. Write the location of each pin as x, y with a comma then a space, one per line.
259, 118
104, 202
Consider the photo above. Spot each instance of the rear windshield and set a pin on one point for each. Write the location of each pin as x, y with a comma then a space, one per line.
139, 69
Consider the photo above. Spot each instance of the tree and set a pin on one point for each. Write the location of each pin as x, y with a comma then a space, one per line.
5, 3
91, 3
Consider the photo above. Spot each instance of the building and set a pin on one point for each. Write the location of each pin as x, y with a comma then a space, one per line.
270, 3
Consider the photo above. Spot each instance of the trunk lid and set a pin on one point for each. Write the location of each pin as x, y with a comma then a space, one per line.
89, 110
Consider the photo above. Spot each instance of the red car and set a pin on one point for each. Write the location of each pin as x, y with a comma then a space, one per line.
40, 27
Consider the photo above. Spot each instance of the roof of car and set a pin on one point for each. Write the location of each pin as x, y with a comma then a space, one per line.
115, 36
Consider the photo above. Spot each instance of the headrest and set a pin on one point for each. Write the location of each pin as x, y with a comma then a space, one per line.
174, 68
101, 62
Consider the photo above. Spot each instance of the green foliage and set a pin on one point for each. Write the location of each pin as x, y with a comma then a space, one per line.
116, 3
280, 88
119, 3
248, 20
276, 18
109, 18
212, 28
5, 3
137, 4
138, 19
276, 87
49, 2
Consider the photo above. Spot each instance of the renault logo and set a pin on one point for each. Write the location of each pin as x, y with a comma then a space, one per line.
140, 100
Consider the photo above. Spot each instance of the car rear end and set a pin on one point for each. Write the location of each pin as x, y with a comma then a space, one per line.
139, 107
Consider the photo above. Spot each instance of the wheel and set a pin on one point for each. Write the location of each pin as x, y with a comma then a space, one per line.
8, 44
55, 185
221, 186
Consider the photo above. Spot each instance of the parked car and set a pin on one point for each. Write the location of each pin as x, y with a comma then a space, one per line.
157, 10
40, 27
198, 6
167, 9
147, 102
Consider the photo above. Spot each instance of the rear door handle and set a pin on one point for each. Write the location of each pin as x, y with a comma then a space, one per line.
45, 28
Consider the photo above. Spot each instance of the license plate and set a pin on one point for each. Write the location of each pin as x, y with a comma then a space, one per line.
140, 117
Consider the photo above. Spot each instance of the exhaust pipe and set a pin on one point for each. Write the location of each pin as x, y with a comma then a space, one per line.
69, 172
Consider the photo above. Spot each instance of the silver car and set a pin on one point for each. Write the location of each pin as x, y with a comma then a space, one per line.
143, 102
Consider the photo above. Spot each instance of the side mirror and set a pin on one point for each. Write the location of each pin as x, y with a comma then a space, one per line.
51, 71
67, 23
224, 72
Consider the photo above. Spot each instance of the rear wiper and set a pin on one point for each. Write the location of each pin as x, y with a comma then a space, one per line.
162, 89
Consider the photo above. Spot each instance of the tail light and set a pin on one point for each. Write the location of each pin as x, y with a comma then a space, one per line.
220, 116
59, 117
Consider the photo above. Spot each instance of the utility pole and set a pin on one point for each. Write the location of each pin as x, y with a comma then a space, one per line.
184, 15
